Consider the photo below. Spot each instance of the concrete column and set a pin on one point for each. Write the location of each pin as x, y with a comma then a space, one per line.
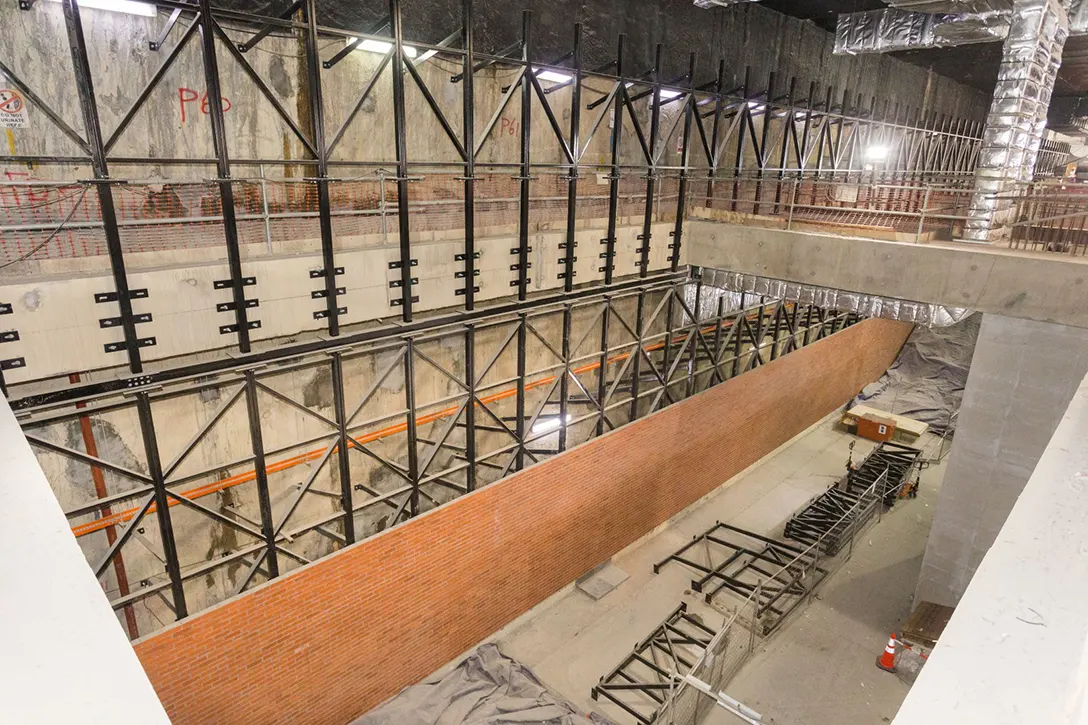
1016, 649
63, 655
1017, 119
1022, 378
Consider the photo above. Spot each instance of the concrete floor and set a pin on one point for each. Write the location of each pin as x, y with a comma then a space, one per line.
819, 667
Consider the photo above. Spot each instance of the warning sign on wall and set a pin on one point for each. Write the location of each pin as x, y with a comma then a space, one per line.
12, 109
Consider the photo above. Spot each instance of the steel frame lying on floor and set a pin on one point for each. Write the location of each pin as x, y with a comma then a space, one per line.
899, 460
832, 517
640, 684
835, 516
740, 562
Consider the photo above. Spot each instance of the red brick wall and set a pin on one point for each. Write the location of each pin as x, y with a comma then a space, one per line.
330, 641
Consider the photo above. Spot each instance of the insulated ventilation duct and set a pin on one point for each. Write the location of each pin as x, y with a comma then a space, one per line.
891, 29
957, 7
1017, 118
718, 282
721, 3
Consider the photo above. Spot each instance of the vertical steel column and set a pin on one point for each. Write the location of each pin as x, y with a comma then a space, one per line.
694, 336
85, 86
777, 328
636, 364
162, 503
523, 231
468, 117
519, 422
667, 355
324, 204
526, 170
837, 148
790, 129
719, 89
410, 423
226, 187
681, 202
715, 374
401, 144
651, 172
342, 446
470, 409
825, 134
614, 179
268, 526
764, 137
738, 163
738, 335
572, 180
602, 371
564, 382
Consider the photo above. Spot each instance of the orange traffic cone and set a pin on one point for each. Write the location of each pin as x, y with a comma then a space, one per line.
886, 661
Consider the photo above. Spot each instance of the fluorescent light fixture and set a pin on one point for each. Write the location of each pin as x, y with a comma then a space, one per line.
379, 46
667, 94
756, 107
120, 6
543, 425
549, 75
876, 153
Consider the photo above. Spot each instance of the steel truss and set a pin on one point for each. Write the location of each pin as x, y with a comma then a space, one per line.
837, 514
640, 684
752, 140
900, 461
740, 563
595, 365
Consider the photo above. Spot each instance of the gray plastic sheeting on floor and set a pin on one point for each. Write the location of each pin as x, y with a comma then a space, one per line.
487, 688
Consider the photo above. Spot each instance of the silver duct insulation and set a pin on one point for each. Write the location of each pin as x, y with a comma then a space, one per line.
731, 285
1078, 17
953, 6
882, 31
1017, 118
720, 3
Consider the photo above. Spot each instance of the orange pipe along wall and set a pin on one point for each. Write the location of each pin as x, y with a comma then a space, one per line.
325, 643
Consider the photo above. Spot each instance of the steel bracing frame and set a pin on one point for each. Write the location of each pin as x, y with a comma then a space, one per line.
583, 377
652, 337
749, 141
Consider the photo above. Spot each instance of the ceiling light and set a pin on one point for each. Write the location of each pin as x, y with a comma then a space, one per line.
669, 94
876, 153
120, 6
548, 75
546, 424
380, 46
